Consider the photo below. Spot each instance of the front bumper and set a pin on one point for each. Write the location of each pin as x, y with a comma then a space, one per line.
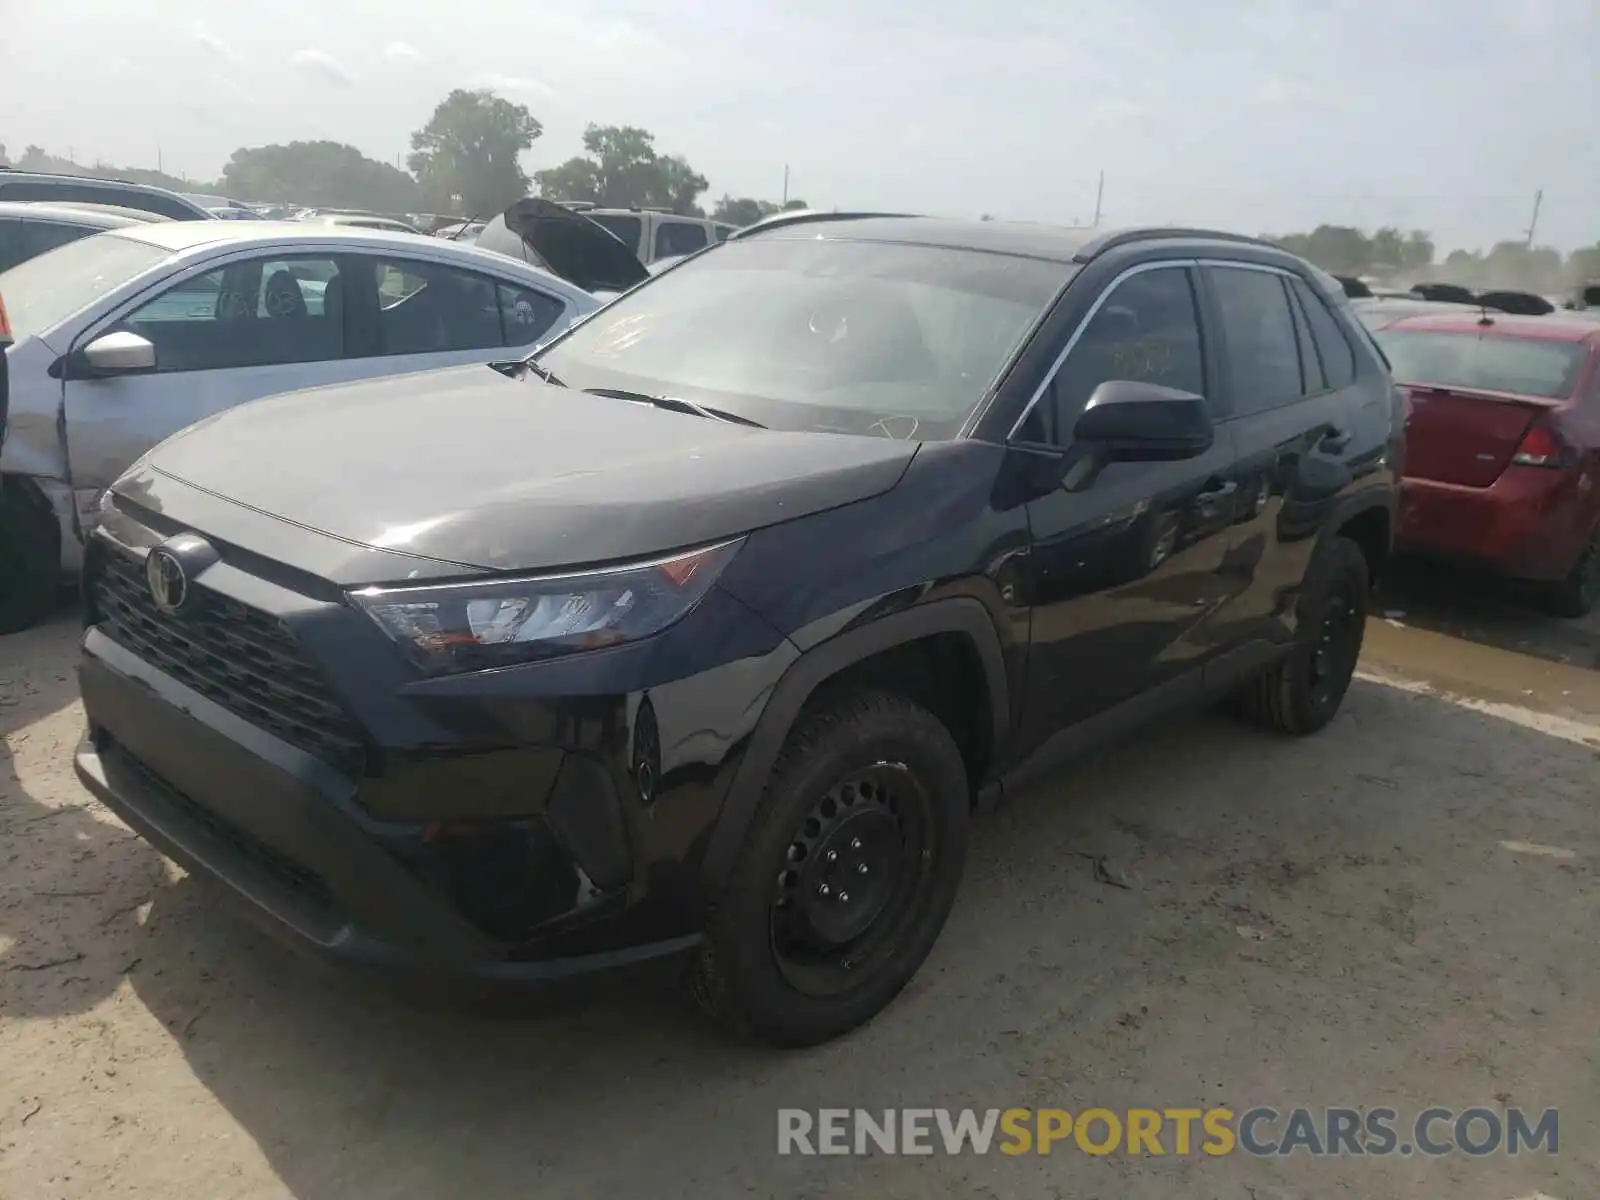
1526, 524
283, 833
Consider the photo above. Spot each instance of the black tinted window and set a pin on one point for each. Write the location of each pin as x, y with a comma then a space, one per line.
1310, 364
10, 244
1333, 347
252, 314
1146, 329
47, 235
528, 315
679, 237
627, 229
425, 308
1258, 328
89, 193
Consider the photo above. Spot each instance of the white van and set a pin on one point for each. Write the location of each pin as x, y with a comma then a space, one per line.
656, 233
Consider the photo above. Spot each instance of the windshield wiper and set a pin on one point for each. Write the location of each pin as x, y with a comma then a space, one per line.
510, 367
676, 404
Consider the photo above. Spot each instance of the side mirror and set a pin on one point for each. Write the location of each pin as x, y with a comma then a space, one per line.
118, 354
1130, 421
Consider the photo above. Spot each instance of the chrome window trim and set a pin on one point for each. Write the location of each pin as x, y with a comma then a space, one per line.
1077, 333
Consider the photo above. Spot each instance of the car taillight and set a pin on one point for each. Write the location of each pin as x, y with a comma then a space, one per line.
1540, 447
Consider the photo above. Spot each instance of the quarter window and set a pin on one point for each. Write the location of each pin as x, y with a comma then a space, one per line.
250, 314
1333, 347
1259, 332
528, 315
425, 308
679, 237
1147, 329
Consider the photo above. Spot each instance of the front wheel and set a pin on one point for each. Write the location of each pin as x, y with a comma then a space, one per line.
1302, 693
845, 878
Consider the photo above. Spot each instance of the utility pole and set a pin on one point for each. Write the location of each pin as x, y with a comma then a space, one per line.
1538, 199
786, 184
159, 171
1099, 195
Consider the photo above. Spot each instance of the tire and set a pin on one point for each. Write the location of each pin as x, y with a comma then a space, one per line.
1302, 693
1579, 592
751, 975
30, 563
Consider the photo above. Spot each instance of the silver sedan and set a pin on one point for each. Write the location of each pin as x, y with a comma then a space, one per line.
124, 338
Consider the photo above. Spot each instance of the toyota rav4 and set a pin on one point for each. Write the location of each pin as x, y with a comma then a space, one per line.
695, 639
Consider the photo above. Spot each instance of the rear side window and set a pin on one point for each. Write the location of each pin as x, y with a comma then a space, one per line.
1259, 332
425, 308
11, 252
1333, 348
528, 315
626, 229
679, 237
47, 235
1526, 366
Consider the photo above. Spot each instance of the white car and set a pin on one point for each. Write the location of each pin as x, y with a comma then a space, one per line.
126, 337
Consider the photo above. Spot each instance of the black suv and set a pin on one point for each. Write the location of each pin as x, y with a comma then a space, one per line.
696, 639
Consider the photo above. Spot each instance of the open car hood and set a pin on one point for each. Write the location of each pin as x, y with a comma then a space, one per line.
564, 242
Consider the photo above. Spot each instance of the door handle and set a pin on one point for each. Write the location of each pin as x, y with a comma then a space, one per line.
1220, 491
1334, 440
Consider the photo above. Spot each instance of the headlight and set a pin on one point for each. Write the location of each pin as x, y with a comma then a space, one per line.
451, 627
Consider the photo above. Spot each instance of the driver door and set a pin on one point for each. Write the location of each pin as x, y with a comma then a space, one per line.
1125, 565
250, 328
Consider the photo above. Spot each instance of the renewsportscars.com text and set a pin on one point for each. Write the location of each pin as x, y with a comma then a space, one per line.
1262, 1131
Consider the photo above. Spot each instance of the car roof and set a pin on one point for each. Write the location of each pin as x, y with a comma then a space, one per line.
89, 216
1056, 243
1553, 327
186, 235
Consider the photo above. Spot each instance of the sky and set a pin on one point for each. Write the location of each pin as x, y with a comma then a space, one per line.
1262, 116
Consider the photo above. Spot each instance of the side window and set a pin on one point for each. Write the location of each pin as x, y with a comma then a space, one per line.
40, 236
722, 231
425, 308
11, 252
1147, 329
1333, 347
1310, 361
527, 314
1258, 329
679, 237
251, 314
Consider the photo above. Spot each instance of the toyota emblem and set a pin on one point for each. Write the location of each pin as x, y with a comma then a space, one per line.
169, 584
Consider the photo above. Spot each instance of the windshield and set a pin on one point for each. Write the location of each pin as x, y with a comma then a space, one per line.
1527, 366
819, 334
44, 291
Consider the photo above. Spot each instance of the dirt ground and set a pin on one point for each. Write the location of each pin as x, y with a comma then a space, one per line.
1335, 921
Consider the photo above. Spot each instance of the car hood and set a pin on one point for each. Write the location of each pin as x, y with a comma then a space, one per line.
566, 243
471, 469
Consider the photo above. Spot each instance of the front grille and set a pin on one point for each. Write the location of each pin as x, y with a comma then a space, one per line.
290, 875
245, 660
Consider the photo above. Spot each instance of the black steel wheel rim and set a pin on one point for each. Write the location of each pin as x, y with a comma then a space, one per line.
855, 872
1338, 645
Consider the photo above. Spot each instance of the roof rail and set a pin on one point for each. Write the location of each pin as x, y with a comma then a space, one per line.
1123, 237
806, 216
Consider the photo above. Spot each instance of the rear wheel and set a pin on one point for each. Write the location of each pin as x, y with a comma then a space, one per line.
1302, 693
845, 878
30, 562
1579, 592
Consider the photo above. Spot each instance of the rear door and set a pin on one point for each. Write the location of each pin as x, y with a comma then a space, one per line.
1292, 385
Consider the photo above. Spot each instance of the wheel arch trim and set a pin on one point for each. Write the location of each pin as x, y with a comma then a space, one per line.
959, 615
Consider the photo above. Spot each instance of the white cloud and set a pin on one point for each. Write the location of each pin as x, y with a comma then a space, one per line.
497, 82
403, 53
217, 46
1276, 91
323, 65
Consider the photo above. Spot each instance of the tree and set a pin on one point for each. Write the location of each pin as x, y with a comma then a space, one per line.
623, 170
466, 157
324, 174
1583, 266
747, 211
1417, 251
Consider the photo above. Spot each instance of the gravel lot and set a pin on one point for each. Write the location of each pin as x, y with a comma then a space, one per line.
1334, 921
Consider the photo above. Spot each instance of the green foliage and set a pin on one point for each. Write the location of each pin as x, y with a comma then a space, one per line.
36, 158
466, 158
621, 169
747, 211
321, 174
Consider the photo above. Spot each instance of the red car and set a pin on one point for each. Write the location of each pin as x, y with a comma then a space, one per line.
1503, 445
